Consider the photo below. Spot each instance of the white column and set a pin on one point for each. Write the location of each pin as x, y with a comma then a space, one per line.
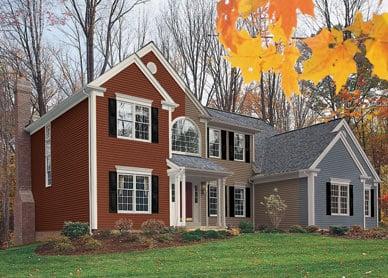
376, 202
183, 199
219, 209
311, 197
207, 204
177, 199
363, 203
223, 202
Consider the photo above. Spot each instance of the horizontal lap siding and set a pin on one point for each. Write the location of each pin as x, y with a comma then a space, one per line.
67, 199
113, 151
290, 192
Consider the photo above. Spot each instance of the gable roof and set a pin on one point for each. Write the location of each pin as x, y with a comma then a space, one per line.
294, 150
196, 162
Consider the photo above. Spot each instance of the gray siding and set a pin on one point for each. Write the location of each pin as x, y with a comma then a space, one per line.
338, 164
303, 206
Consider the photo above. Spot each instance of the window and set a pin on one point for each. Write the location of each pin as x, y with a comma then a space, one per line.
196, 194
173, 192
185, 137
339, 199
239, 202
239, 146
47, 154
214, 143
367, 202
213, 202
133, 121
133, 193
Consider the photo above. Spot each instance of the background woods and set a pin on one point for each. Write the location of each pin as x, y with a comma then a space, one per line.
61, 45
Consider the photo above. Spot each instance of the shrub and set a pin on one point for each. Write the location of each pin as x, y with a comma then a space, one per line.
192, 236
338, 230
103, 234
275, 208
163, 237
89, 243
211, 234
246, 227
62, 245
153, 226
75, 230
233, 231
127, 237
312, 229
297, 229
270, 230
261, 228
124, 225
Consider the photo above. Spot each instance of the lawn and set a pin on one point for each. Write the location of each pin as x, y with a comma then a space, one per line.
256, 255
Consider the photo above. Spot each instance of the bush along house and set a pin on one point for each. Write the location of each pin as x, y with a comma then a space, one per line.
135, 143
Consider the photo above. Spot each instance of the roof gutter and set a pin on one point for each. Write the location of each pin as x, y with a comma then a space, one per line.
262, 178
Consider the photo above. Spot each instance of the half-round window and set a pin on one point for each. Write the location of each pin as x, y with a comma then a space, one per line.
185, 136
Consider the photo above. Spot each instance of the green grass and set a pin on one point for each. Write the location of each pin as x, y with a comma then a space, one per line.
255, 255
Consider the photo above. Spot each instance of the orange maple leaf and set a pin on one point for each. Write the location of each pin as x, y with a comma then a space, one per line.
286, 10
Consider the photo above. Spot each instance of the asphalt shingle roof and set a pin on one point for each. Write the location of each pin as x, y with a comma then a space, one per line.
294, 150
195, 162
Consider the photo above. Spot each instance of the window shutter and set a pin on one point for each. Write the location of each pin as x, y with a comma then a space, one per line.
231, 145
231, 201
112, 192
247, 148
328, 198
155, 125
112, 110
351, 200
223, 144
208, 142
208, 200
247, 202
226, 200
155, 194
372, 203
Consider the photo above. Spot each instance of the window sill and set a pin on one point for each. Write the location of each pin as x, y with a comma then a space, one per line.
184, 153
213, 215
133, 212
239, 216
217, 157
338, 214
133, 139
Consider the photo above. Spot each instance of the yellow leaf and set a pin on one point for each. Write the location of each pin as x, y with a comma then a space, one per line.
359, 27
246, 7
278, 33
331, 55
290, 77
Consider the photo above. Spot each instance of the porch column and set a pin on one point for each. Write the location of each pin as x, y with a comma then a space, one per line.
223, 202
219, 214
183, 199
207, 203
177, 200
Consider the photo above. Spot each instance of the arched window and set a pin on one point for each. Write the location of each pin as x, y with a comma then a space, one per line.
185, 136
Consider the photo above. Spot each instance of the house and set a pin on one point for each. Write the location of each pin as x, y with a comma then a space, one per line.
135, 143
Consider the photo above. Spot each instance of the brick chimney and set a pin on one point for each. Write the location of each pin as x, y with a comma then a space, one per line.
24, 208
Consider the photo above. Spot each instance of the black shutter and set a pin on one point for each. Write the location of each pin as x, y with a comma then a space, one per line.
112, 192
372, 203
154, 125
231, 145
223, 144
351, 200
231, 201
112, 110
226, 201
247, 202
208, 142
208, 200
155, 194
328, 198
247, 148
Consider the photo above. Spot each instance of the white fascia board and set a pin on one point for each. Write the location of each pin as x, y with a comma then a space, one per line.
152, 47
260, 178
338, 137
344, 124
63, 107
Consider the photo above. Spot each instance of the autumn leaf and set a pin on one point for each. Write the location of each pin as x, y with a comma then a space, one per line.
286, 10
331, 55
290, 77
246, 7
359, 27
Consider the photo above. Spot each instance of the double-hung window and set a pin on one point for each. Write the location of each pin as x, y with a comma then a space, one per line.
47, 155
133, 193
213, 200
214, 143
239, 202
367, 202
339, 199
133, 120
239, 147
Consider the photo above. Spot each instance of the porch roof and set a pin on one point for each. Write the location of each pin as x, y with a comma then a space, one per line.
195, 163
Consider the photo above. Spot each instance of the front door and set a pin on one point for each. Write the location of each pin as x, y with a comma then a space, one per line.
189, 201
196, 210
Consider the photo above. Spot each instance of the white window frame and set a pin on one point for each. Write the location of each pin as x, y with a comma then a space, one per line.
134, 175
199, 137
234, 147
219, 145
367, 189
216, 198
134, 101
244, 200
341, 184
47, 155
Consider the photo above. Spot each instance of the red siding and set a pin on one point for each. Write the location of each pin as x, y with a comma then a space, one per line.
67, 199
113, 151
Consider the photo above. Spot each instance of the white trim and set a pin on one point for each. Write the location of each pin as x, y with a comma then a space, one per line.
341, 137
63, 107
133, 170
311, 197
199, 136
133, 99
169, 133
234, 145
243, 187
46, 128
211, 184
340, 181
369, 201
258, 179
208, 140
152, 48
347, 185
344, 124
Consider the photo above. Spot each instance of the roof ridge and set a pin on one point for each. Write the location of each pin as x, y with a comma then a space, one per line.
238, 114
306, 127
